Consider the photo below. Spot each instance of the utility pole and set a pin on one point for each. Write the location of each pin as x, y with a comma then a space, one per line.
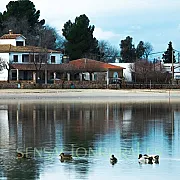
172, 68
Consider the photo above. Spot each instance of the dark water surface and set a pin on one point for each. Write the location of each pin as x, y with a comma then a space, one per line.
91, 133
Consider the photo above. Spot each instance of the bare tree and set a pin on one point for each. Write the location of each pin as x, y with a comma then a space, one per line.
3, 64
144, 71
39, 57
148, 48
108, 53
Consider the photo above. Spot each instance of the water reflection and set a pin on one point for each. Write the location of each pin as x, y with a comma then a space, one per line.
91, 132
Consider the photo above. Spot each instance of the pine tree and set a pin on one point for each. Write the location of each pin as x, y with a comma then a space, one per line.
140, 50
167, 56
79, 39
128, 51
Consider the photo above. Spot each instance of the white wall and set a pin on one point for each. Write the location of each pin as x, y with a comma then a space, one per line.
12, 41
126, 72
4, 73
176, 69
5, 56
58, 58
21, 39
8, 41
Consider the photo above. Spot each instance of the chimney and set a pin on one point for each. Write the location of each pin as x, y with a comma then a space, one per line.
10, 31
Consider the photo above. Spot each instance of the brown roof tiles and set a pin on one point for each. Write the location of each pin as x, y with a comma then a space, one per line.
92, 65
11, 36
4, 48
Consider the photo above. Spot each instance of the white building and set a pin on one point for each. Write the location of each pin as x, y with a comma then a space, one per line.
168, 67
22, 58
126, 72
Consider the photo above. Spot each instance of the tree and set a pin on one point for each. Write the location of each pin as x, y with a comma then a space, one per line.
2, 64
108, 53
22, 17
144, 71
169, 54
140, 50
47, 37
23, 8
79, 39
148, 48
5, 65
39, 57
128, 51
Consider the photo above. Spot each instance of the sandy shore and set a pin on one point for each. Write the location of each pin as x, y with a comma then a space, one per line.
89, 95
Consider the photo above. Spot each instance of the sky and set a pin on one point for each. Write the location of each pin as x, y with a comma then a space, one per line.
154, 21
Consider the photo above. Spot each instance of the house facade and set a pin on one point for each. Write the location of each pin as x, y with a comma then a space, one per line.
14, 52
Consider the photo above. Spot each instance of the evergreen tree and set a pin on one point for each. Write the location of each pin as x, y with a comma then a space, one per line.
128, 51
140, 50
167, 56
23, 8
22, 17
79, 39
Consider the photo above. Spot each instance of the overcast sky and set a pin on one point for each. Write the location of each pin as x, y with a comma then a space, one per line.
155, 21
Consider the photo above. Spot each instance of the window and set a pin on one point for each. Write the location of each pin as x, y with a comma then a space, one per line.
52, 59
19, 43
37, 58
15, 58
25, 58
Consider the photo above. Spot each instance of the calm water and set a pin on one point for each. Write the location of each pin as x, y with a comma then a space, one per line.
91, 133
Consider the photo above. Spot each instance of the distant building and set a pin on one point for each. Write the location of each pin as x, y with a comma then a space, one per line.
126, 72
168, 68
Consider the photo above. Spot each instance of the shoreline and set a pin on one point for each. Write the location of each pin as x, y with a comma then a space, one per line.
89, 95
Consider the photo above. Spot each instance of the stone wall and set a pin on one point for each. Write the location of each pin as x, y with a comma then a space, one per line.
85, 85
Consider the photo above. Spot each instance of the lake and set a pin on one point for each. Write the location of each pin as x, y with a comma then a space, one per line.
91, 133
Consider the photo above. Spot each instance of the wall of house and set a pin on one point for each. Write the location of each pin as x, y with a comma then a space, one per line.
12, 41
8, 41
126, 72
58, 58
21, 39
11, 55
4, 73
168, 66
5, 56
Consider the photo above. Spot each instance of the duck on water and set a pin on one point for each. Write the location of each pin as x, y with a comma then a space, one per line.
148, 159
113, 160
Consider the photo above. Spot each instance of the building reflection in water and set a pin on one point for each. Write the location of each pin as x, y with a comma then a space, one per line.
56, 127
4, 133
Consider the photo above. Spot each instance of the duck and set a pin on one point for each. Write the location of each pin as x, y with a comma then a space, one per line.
145, 159
113, 159
21, 155
65, 156
155, 158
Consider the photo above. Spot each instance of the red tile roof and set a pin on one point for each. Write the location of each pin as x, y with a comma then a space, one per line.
6, 48
80, 65
90, 64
